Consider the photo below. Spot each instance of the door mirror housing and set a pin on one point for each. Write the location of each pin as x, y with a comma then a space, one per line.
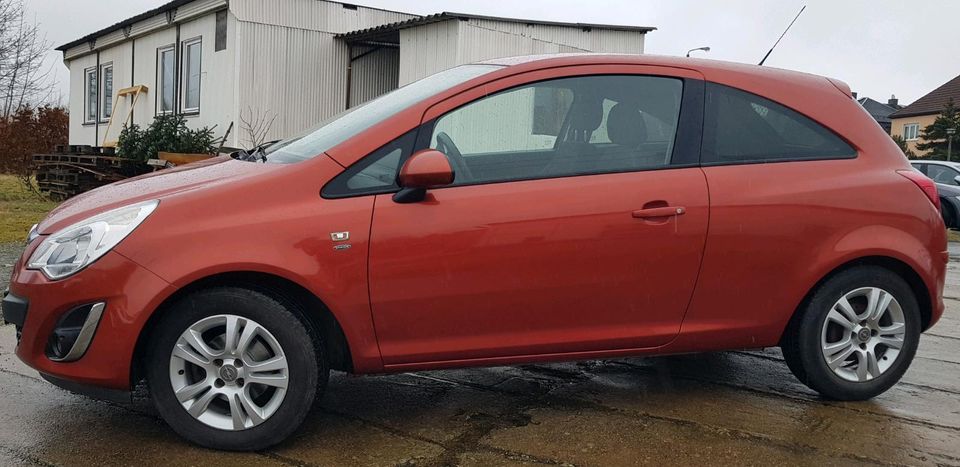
426, 169
956, 180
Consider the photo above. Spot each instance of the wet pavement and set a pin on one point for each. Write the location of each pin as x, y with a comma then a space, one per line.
723, 408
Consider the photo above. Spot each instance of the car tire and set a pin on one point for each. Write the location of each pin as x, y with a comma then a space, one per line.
248, 398
815, 344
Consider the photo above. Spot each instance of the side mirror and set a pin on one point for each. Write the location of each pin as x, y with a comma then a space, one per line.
426, 169
956, 180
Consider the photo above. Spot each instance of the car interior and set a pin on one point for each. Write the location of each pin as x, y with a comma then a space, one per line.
607, 124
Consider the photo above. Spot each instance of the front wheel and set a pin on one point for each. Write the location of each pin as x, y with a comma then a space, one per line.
856, 335
233, 369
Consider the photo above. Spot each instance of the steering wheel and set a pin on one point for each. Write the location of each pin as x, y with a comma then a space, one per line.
446, 146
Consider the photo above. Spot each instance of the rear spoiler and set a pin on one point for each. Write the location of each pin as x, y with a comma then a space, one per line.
841, 86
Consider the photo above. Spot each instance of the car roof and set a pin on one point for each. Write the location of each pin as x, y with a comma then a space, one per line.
955, 165
709, 68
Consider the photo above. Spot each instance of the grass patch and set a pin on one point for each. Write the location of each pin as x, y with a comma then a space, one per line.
19, 209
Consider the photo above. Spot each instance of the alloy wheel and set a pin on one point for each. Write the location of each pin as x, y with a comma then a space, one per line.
229, 372
863, 334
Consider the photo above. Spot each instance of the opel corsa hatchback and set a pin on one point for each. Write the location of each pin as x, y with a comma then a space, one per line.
523, 210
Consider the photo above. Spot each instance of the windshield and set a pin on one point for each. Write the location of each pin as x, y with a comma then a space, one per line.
349, 123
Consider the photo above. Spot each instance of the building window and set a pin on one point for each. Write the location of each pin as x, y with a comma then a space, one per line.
911, 131
166, 78
221, 38
90, 95
106, 80
191, 76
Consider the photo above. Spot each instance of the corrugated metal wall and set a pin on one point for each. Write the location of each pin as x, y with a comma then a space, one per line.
374, 74
427, 49
594, 40
291, 66
314, 15
295, 75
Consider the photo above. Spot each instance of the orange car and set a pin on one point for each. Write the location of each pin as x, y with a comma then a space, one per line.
522, 210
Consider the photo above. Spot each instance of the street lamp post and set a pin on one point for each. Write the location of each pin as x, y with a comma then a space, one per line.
705, 49
950, 133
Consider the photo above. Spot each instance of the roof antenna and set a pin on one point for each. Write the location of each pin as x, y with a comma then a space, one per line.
781, 36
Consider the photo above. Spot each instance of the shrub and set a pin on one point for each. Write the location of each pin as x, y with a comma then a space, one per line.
30, 131
167, 133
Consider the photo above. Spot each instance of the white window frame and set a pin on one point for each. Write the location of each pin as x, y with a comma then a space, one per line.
915, 127
87, 105
102, 95
184, 75
173, 98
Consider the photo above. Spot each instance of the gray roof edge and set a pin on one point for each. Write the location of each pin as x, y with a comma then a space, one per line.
448, 15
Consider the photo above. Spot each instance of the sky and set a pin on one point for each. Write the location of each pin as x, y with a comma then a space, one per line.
878, 47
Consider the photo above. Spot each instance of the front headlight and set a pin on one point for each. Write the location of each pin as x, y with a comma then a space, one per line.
80, 244
34, 233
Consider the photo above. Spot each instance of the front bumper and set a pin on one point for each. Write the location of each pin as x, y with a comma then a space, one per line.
130, 293
14, 310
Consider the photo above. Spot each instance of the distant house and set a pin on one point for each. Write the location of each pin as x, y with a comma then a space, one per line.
880, 111
908, 121
295, 62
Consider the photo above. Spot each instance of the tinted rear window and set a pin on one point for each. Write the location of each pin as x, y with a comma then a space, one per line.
744, 127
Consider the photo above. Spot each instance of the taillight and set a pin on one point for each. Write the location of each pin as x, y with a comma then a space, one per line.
925, 184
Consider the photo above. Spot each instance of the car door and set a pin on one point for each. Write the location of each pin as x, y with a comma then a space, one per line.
576, 222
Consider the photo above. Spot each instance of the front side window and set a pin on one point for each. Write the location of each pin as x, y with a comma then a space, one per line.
942, 174
166, 78
376, 173
191, 75
562, 127
911, 131
90, 95
741, 127
106, 77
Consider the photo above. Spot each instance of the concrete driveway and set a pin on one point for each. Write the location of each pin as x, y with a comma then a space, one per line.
723, 408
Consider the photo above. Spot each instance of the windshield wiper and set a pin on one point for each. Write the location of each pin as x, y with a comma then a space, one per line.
256, 154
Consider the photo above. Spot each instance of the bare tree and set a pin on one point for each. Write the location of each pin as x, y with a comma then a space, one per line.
256, 126
23, 78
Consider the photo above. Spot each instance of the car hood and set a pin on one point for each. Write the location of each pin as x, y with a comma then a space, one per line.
155, 185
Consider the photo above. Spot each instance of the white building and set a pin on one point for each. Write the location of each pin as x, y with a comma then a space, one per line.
295, 62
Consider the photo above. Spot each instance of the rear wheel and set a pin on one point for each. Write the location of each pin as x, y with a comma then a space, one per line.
856, 336
233, 369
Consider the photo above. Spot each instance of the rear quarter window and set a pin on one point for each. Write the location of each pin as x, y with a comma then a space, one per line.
740, 127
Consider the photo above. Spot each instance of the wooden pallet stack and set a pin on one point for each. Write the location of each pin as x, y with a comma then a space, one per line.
74, 169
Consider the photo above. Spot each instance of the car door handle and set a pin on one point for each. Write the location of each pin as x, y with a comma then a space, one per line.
665, 211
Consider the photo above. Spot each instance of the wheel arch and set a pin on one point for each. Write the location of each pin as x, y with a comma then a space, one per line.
310, 309
895, 265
